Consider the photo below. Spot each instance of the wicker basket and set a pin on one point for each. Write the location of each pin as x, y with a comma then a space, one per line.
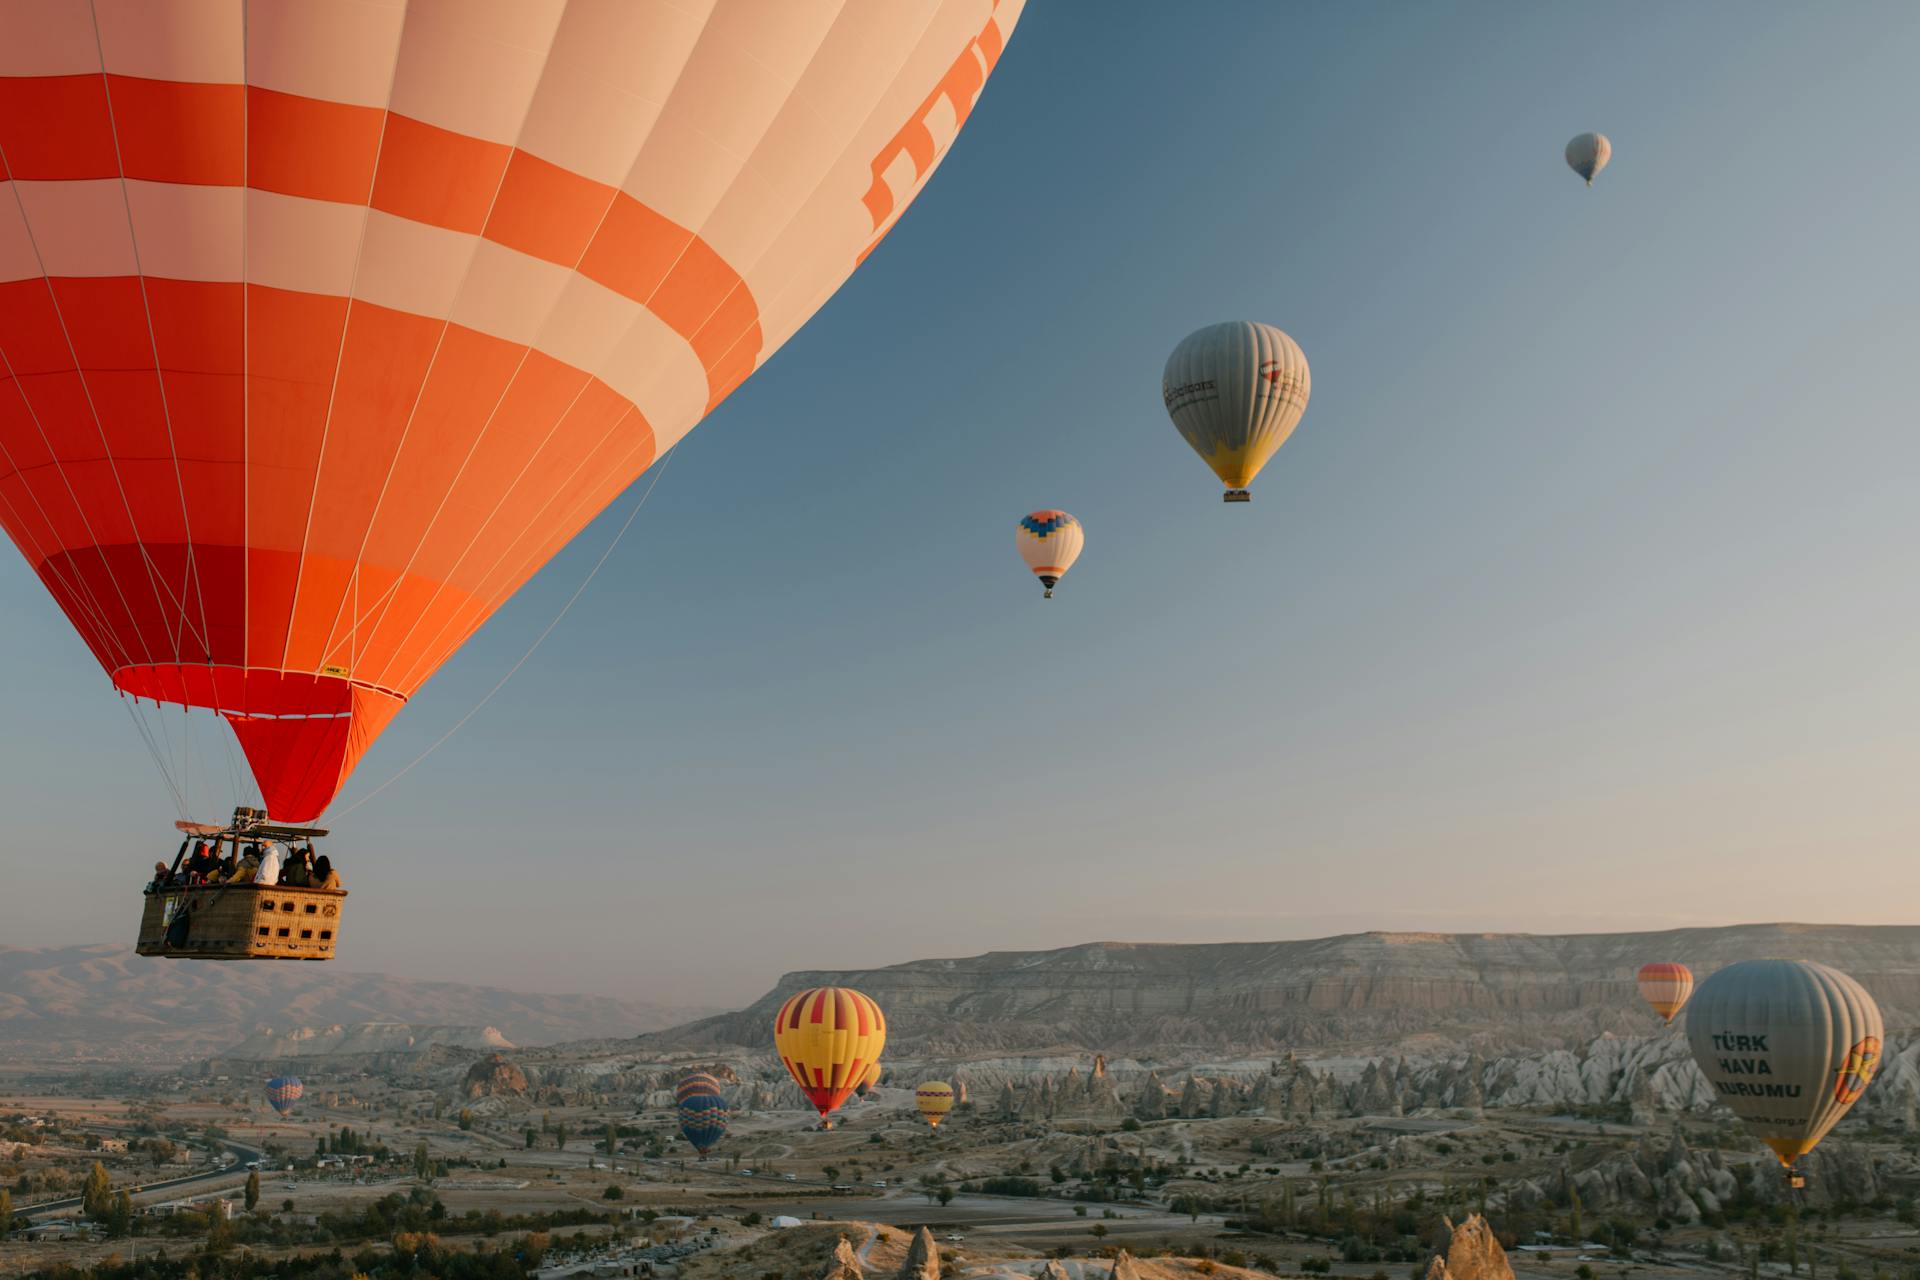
245, 922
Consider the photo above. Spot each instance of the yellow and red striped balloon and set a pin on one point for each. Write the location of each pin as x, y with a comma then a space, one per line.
935, 1099
829, 1038
1666, 987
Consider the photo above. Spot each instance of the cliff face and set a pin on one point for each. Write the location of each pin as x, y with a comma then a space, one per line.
1374, 989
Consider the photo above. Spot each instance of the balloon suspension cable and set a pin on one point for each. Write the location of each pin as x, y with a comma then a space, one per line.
153, 749
532, 648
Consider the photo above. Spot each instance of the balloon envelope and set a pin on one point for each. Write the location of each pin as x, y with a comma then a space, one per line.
1588, 154
1235, 392
1049, 542
935, 1099
698, 1082
1788, 1045
828, 1038
1665, 987
703, 1117
868, 1081
326, 326
283, 1092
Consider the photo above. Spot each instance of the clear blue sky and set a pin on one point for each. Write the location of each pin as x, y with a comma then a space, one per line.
1584, 598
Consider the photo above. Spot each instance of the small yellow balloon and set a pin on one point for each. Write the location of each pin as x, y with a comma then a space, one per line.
935, 1099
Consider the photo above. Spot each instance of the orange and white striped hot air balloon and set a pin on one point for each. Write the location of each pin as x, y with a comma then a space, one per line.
323, 326
935, 1099
829, 1038
1666, 986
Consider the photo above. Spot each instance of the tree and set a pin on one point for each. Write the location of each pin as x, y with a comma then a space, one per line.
1098, 1230
253, 1190
118, 1218
946, 1196
6, 1213
1573, 1212
219, 1234
613, 1192
613, 1140
531, 1134
97, 1195
560, 1136
466, 1118
422, 1163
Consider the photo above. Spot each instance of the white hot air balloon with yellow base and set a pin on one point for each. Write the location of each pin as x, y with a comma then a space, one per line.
1235, 392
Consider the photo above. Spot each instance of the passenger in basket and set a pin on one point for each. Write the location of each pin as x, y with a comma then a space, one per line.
200, 864
248, 868
299, 869
270, 861
222, 871
324, 876
160, 876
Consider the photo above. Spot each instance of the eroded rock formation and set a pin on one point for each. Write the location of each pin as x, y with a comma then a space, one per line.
1473, 1253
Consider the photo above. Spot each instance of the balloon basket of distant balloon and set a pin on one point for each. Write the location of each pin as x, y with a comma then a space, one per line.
1236, 495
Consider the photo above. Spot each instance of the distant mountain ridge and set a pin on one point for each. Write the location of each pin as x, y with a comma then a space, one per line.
1367, 991
104, 1004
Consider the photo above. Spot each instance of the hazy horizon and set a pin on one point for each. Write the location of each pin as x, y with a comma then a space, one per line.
1582, 600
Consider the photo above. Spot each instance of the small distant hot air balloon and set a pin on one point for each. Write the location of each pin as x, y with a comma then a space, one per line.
868, 1081
283, 1092
1666, 987
935, 1099
1588, 154
1788, 1045
829, 1038
1235, 392
703, 1112
1049, 542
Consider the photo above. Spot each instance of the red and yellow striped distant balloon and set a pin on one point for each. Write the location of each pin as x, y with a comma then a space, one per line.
829, 1038
1666, 987
935, 1099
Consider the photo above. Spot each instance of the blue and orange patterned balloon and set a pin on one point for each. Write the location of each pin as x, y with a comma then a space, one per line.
1049, 542
698, 1082
283, 1092
703, 1116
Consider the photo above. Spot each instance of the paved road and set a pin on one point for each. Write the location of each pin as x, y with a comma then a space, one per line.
241, 1155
